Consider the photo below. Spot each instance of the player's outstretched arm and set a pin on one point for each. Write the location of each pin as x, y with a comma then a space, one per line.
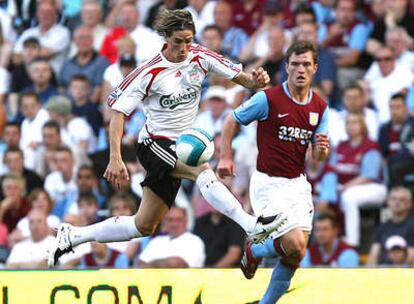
116, 172
225, 166
256, 79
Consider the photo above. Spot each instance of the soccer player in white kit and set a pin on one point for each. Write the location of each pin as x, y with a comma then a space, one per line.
168, 88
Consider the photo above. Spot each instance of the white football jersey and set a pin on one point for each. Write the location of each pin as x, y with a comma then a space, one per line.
169, 92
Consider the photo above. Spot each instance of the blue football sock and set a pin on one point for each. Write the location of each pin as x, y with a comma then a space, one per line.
279, 283
264, 250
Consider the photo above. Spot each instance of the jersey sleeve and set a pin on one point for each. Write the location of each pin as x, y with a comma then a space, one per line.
256, 108
220, 65
128, 95
323, 125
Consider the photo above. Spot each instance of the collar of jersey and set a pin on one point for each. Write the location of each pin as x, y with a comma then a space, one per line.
174, 63
286, 89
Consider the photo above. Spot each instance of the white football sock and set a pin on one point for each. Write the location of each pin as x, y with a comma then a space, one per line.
114, 229
218, 196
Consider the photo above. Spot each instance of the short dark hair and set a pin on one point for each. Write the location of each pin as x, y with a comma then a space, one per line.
398, 96
12, 124
79, 77
301, 47
330, 216
52, 124
31, 94
87, 168
170, 21
354, 86
127, 198
213, 27
88, 197
64, 148
14, 149
31, 42
304, 8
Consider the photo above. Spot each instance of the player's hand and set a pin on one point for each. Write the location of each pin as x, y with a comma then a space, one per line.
261, 77
116, 172
322, 141
225, 168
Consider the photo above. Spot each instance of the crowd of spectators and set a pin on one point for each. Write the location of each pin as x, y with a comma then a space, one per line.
60, 59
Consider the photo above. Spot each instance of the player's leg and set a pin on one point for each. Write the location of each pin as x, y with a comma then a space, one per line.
291, 249
115, 229
220, 197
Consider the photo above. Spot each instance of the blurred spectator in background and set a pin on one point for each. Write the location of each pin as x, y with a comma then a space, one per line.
258, 44
82, 106
346, 38
203, 14
123, 204
358, 166
61, 183
397, 251
216, 110
396, 140
328, 249
31, 130
234, 38
10, 138
45, 156
396, 14
212, 38
178, 249
39, 200
30, 253
324, 11
247, 14
129, 24
160, 6
354, 102
392, 79
41, 76
103, 257
19, 73
86, 62
398, 39
86, 182
54, 38
325, 76
222, 237
14, 160
14, 205
75, 131
272, 61
401, 224
91, 17
117, 71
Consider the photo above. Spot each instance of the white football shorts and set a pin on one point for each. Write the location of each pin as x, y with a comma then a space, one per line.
293, 196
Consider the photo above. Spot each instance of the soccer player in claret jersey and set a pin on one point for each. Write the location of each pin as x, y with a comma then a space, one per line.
290, 117
168, 88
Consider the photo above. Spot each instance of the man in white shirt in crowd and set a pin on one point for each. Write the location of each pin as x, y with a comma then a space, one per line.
54, 38
392, 79
31, 129
178, 249
61, 183
75, 131
354, 102
31, 253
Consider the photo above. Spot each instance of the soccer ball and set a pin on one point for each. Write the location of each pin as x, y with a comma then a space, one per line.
194, 147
